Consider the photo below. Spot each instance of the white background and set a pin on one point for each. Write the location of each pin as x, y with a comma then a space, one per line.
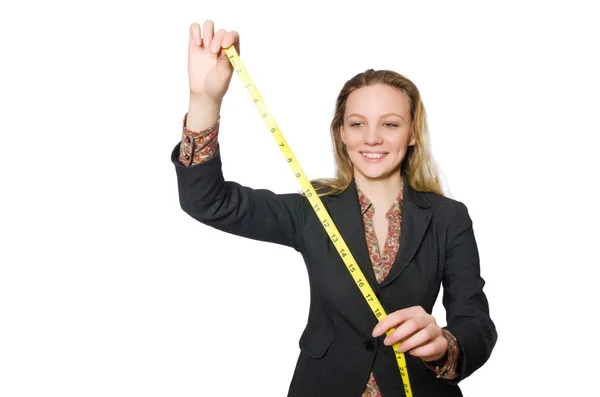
107, 288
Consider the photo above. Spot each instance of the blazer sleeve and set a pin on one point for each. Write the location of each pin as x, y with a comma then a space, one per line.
259, 214
466, 305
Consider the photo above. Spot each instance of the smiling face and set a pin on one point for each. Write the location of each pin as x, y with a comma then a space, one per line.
376, 131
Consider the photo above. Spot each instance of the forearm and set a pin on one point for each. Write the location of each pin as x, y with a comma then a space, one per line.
200, 129
198, 147
467, 309
476, 338
202, 113
226, 205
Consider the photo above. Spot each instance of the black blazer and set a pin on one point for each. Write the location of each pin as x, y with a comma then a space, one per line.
337, 351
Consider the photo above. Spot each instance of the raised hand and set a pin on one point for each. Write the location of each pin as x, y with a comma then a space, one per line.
209, 70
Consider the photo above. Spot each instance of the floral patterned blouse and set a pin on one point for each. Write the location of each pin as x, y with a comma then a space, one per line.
200, 146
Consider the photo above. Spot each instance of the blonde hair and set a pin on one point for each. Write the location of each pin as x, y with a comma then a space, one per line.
418, 163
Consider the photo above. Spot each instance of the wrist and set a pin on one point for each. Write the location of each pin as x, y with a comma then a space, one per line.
204, 99
438, 360
203, 112
447, 366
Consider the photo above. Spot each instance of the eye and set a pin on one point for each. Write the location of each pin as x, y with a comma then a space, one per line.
391, 125
355, 124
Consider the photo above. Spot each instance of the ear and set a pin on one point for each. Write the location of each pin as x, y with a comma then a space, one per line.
413, 140
343, 134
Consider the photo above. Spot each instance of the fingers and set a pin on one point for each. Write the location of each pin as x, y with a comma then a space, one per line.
423, 340
232, 38
419, 335
397, 318
206, 37
407, 329
224, 39
415, 330
216, 43
431, 351
195, 35
208, 33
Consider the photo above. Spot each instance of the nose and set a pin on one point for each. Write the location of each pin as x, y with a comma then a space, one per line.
373, 136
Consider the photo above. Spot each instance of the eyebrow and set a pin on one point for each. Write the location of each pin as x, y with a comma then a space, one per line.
383, 115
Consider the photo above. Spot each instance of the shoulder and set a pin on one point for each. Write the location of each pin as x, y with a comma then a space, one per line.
450, 212
444, 204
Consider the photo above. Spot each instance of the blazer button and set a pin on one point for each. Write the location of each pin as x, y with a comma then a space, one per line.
187, 156
369, 345
187, 138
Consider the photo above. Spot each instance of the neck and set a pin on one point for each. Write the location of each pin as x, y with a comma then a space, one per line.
383, 192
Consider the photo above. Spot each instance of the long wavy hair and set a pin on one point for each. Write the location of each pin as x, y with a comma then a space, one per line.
418, 163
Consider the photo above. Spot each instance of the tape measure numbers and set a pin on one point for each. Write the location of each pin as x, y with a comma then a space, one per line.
317, 206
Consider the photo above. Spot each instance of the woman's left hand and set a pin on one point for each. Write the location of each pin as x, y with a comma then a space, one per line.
417, 332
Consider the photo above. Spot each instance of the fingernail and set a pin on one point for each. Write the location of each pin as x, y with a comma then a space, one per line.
196, 40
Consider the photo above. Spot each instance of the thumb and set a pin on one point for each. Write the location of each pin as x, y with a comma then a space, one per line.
224, 66
232, 38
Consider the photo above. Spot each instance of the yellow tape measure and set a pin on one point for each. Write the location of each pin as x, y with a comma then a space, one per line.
317, 205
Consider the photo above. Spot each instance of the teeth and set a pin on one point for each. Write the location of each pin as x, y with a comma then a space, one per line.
373, 155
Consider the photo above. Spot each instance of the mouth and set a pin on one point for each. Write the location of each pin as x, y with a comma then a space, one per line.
373, 156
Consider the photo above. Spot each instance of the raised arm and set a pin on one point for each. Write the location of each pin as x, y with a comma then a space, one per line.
204, 193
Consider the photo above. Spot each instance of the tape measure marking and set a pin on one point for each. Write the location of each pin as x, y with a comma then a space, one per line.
317, 206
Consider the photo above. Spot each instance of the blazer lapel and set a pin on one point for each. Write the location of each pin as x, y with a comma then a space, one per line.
416, 217
345, 212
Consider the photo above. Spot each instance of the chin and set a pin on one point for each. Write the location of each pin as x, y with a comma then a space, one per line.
376, 175
376, 171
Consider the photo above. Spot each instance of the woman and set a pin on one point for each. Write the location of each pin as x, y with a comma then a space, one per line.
386, 202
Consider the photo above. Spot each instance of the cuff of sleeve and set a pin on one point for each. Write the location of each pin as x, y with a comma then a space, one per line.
198, 146
449, 369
